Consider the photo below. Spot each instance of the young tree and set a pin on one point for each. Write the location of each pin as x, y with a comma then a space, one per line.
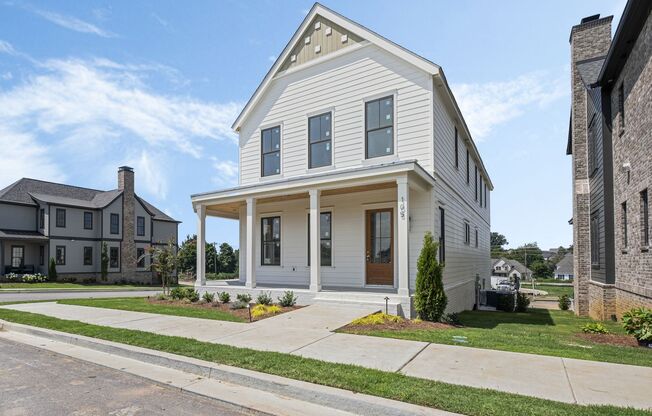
498, 241
226, 259
430, 299
188, 256
541, 270
165, 260
104, 262
52, 270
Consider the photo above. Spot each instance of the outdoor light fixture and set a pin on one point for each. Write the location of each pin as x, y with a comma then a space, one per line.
386, 305
249, 309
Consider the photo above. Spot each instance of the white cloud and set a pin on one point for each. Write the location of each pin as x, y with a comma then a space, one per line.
6, 76
6, 47
70, 22
227, 171
490, 104
151, 173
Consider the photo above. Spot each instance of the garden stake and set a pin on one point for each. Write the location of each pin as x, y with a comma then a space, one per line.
249, 308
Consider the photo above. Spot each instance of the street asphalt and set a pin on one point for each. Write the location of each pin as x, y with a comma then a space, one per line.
76, 294
39, 382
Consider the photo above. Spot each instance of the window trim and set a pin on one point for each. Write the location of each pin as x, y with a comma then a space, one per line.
623, 225
117, 250
22, 257
467, 233
457, 150
280, 148
140, 263
56, 255
41, 219
310, 144
58, 210
476, 183
138, 218
476, 238
371, 99
595, 239
621, 108
114, 215
263, 241
468, 169
645, 219
330, 233
90, 260
91, 216
442, 235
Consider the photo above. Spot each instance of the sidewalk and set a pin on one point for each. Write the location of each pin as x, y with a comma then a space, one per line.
307, 332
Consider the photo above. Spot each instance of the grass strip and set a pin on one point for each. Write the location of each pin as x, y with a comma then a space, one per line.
142, 305
453, 398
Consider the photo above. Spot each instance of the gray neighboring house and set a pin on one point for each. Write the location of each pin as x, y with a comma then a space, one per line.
40, 220
564, 269
509, 268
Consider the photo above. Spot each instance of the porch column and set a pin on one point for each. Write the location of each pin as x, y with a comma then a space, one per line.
201, 246
315, 241
250, 255
403, 218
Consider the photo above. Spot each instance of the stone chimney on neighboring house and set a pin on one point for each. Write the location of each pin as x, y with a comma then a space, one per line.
590, 39
128, 244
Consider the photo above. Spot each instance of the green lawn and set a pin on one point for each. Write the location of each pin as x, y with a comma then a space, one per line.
554, 291
453, 398
539, 331
142, 305
62, 285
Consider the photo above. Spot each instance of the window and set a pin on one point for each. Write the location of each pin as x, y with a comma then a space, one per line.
41, 255
140, 257
140, 226
476, 237
88, 220
325, 238
485, 195
319, 141
379, 129
17, 256
61, 217
467, 233
115, 224
60, 255
41, 218
476, 183
645, 220
468, 178
623, 211
271, 151
595, 240
457, 151
592, 137
271, 241
88, 256
621, 107
480, 190
442, 235
114, 257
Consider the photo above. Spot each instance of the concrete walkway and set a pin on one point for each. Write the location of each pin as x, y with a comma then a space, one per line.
308, 332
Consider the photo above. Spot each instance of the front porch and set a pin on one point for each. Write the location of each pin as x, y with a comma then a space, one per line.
22, 252
362, 228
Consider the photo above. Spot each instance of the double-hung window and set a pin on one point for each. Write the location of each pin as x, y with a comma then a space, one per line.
270, 241
114, 257
595, 239
457, 151
88, 220
379, 127
41, 220
60, 255
140, 257
271, 151
140, 226
88, 256
320, 140
325, 239
442, 235
17, 256
115, 224
468, 166
467, 233
61, 218
645, 220
623, 215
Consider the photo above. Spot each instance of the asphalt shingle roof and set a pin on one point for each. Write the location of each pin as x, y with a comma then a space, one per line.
565, 265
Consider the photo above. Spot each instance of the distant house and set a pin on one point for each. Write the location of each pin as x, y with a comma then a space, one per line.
549, 254
41, 220
509, 268
564, 269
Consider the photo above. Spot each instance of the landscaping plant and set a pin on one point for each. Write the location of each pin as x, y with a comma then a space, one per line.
243, 297
522, 302
238, 305
264, 298
564, 302
377, 319
191, 294
165, 260
506, 302
594, 328
177, 293
288, 299
52, 270
430, 299
208, 297
638, 322
104, 262
224, 297
262, 310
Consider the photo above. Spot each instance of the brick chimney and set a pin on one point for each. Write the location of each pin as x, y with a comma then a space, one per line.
589, 39
128, 244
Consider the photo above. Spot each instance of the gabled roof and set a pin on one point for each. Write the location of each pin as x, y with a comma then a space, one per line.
565, 265
376, 39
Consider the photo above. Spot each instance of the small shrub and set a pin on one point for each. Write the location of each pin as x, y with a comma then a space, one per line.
377, 319
451, 319
177, 293
288, 299
161, 296
429, 299
264, 298
506, 302
222, 276
262, 310
638, 322
522, 302
52, 270
243, 297
208, 297
225, 297
594, 328
564, 302
191, 294
238, 305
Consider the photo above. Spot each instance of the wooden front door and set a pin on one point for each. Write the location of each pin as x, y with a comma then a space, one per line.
379, 255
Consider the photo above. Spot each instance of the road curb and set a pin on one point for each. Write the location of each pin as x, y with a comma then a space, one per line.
331, 397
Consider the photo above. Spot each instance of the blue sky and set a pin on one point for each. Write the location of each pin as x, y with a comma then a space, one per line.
88, 86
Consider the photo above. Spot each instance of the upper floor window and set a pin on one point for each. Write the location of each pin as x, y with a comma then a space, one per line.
645, 220
319, 137
485, 195
621, 107
61, 217
468, 166
442, 235
41, 218
271, 241
88, 220
623, 210
140, 226
457, 151
476, 238
271, 151
480, 189
379, 127
467, 233
115, 224
476, 183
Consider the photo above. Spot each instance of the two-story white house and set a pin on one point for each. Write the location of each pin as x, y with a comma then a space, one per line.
350, 150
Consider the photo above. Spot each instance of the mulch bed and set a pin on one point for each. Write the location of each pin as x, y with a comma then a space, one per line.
610, 339
398, 326
224, 307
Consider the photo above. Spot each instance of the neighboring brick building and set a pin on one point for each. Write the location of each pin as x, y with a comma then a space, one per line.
610, 140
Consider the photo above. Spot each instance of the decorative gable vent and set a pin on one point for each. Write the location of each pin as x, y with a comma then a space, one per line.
345, 38
307, 40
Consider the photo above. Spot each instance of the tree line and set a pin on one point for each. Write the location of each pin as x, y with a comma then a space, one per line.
529, 254
224, 260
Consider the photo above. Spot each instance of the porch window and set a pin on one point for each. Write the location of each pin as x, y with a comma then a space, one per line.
140, 257
88, 256
271, 151
17, 256
61, 218
379, 127
41, 218
140, 226
60, 255
271, 241
114, 257
325, 239
115, 224
319, 138
88, 220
